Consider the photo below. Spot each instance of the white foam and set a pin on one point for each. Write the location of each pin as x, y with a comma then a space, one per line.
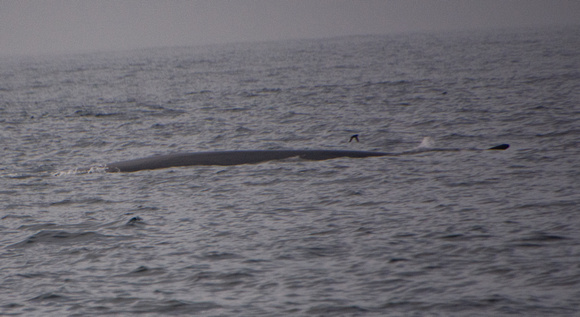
427, 142
85, 170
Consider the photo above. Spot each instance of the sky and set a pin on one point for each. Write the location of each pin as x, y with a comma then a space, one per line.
33, 27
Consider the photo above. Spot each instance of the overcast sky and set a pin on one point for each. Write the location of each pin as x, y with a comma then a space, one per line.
54, 26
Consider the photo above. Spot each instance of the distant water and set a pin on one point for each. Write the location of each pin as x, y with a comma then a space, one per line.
448, 230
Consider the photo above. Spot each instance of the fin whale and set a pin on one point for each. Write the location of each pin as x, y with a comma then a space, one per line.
230, 158
225, 158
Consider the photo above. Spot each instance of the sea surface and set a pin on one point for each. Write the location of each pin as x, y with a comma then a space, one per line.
446, 228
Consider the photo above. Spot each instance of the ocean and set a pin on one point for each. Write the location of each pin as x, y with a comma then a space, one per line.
442, 228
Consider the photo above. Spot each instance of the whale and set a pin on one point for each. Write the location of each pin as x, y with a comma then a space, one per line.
225, 158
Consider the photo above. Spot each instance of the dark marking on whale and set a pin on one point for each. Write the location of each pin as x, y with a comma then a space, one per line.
225, 158
500, 147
